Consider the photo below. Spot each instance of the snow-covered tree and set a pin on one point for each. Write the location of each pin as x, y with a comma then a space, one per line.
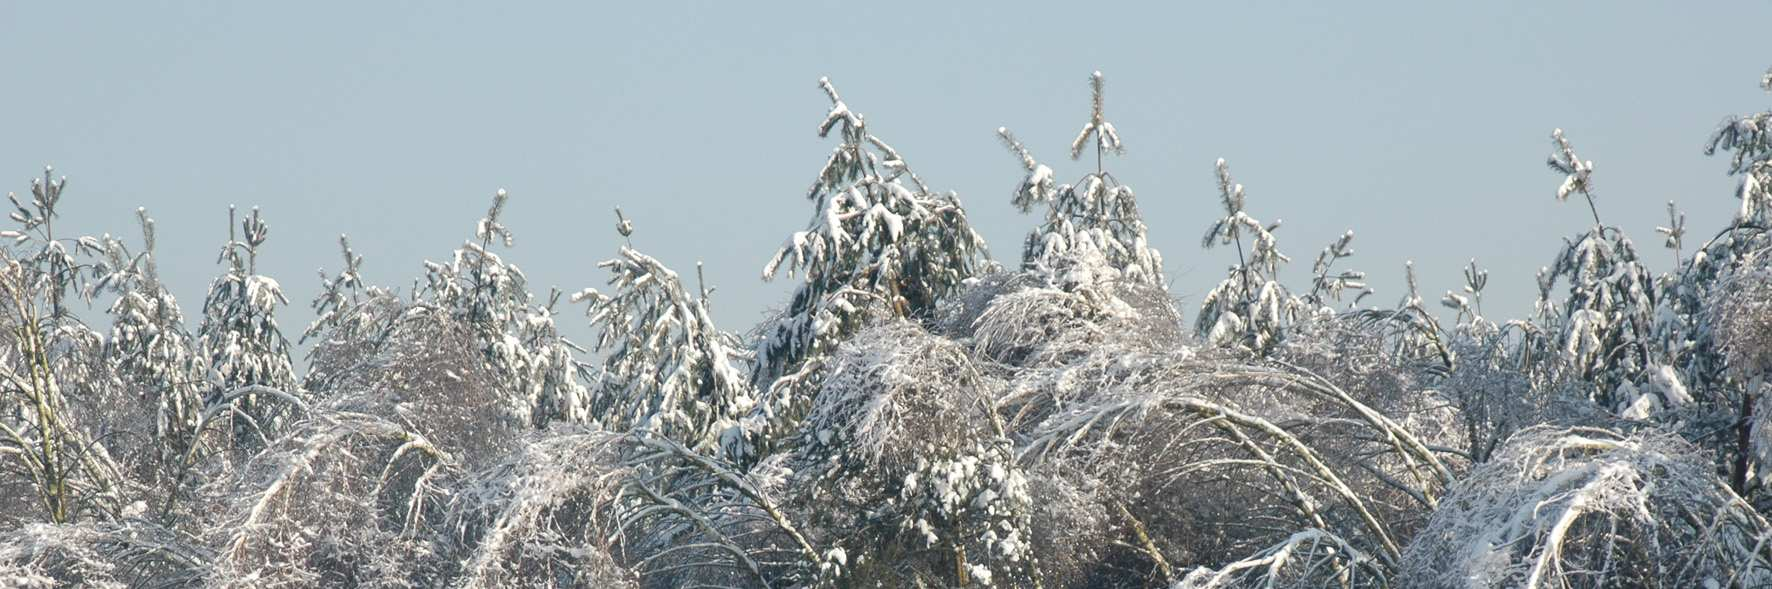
1249, 308
151, 349
1683, 337
904, 464
1054, 342
352, 322
666, 368
1687, 322
1748, 138
428, 374
1093, 232
1505, 376
1179, 440
1603, 325
240, 342
517, 337
1740, 321
881, 245
51, 367
540, 517
1413, 331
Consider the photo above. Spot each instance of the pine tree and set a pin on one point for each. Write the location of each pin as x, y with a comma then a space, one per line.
1748, 140
1700, 303
1093, 232
1602, 327
517, 337
150, 344
881, 245
352, 322
1249, 308
241, 343
1329, 285
666, 367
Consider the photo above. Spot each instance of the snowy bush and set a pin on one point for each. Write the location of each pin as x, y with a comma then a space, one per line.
352, 320
903, 463
1326, 460
427, 373
536, 518
577, 507
1591, 508
339, 501
109, 555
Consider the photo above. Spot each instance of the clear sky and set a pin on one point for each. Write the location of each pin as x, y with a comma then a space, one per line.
1423, 126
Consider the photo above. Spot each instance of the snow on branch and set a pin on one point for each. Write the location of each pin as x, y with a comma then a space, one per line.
1604, 325
1309, 558
903, 456
517, 336
1098, 127
1748, 137
1093, 233
667, 368
343, 496
125, 553
611, 508
1250, 309
1583, 507
876, 249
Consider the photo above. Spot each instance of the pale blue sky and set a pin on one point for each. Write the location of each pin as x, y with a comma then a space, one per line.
1423, 126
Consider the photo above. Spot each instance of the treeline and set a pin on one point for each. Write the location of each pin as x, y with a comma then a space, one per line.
915, 415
